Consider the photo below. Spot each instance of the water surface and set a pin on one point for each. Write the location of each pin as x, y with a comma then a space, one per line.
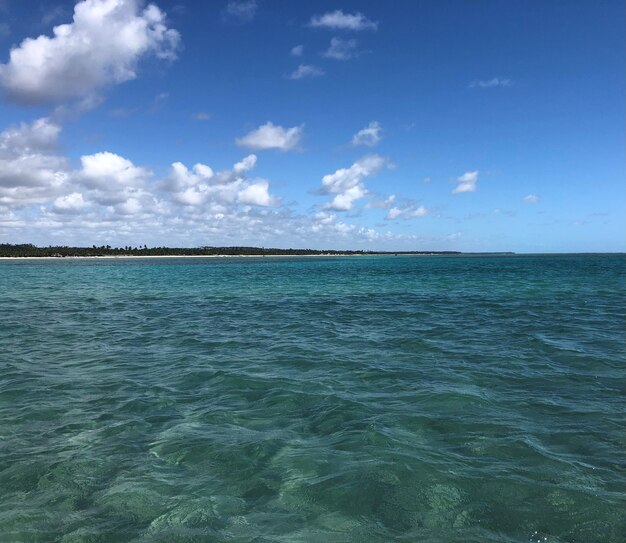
313, 399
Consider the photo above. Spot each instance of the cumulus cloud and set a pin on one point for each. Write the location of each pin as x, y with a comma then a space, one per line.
240, 11
466, 182
488, 83
30, 170
256, 194
306, 70
323, 217
130, 206
358, 233
40, 135
245, 164
345, 178
340, 49
297, 50
110, 199
112, 181
190, 187
531, 199
109, 172
345, 200
271, 136
102, 46
71, 203
338, 20
202, 186
347, 183
368, 136
108, 190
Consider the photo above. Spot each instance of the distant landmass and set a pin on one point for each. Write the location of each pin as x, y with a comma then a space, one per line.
30, 250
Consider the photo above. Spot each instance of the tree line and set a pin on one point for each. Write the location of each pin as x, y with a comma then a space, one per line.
60, 251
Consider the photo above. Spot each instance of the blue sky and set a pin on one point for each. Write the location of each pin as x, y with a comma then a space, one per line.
453, 125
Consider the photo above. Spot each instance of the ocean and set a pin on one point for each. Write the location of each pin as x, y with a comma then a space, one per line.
344, 399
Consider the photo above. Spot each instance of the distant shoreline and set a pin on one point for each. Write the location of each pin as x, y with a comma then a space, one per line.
28, 250
117, 257
31, 252
315, 255
324, 255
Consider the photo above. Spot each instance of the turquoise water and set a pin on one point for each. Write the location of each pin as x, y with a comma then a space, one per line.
314, 400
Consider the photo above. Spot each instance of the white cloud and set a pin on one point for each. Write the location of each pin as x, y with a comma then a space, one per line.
70, 203
487, 83
256, 194
110, 199
130, 206
245, 164
190, 187
394, 213
345, 178
40, 135
324, 217
419, 211
182, 177
202, 186
114, 182
306, 70
240, 11
102, 46
271, 136
466, 182
347, 183
30, 171
110, 172
368, 136
408, 212
191, 196
340, 49
531, 199
338, 20
345, 200
297, 51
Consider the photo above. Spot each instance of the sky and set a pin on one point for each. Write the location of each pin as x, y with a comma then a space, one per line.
344, 124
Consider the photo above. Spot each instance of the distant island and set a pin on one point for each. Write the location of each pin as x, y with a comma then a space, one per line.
26, 250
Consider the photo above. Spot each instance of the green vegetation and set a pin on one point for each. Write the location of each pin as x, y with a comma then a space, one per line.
30, 250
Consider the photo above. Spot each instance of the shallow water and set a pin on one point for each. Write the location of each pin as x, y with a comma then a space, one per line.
313, 399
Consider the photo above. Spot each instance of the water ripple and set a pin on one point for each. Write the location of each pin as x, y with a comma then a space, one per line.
356, 399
